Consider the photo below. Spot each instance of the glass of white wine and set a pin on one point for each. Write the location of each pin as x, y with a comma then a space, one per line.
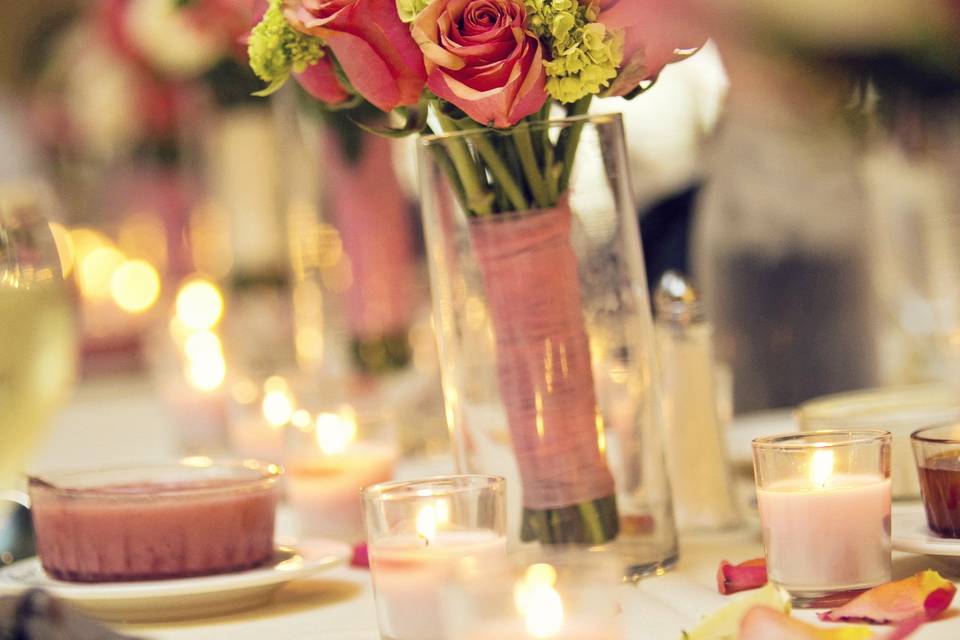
37, 327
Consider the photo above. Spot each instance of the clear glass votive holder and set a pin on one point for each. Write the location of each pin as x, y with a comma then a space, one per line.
824, 501
570, 595
421, 534
937, 452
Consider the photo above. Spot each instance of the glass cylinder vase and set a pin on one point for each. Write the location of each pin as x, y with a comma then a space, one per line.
545, 333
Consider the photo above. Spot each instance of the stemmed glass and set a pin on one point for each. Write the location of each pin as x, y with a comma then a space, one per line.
37, 329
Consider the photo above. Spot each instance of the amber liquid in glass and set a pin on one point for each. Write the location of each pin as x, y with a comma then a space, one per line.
940, 486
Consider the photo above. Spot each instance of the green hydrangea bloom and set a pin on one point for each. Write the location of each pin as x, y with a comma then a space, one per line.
584, 54
275, 48
410, 9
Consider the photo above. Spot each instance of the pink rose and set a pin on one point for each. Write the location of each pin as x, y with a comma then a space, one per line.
655, 30
372, 45
481, 57
321, 82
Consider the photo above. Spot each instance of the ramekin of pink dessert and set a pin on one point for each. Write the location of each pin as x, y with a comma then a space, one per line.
190, 518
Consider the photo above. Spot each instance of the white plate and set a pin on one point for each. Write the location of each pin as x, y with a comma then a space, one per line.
748, 426
911, 534
179, 599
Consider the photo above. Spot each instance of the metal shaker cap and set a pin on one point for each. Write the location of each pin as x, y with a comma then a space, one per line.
676, 300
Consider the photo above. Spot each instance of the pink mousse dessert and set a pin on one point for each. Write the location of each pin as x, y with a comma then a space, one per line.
191, 518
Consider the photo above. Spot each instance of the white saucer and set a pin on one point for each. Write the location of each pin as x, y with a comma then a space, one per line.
179, 599
911, 534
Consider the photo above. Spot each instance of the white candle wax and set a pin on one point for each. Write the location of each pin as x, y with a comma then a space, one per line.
409, 575
830, 536
324, 490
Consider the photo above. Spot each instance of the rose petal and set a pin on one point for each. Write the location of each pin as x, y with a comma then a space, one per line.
372, 45
764, 623
926, 594
361, 558
320, 81
750, 574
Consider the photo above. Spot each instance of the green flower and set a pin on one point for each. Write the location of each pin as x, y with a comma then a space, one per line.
276, 49
410, 9
584, 55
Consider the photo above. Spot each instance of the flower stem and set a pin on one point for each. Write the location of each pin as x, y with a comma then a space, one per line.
501, 174
570, 140
528, 159
478, 198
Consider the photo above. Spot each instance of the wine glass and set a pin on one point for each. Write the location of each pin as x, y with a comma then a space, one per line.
37, 328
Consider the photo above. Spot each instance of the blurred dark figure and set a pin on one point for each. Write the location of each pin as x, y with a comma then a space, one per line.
37, 616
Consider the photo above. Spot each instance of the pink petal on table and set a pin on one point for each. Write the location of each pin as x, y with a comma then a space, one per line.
927, 594
750, 574
361, 558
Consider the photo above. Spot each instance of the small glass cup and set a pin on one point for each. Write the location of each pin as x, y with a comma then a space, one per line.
824, 501
421, 534
937, 452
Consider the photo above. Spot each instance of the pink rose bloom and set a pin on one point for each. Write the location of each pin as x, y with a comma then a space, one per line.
655, 30
321, 82
372, 45
481, 57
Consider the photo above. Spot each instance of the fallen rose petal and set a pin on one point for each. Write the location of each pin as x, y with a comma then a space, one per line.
751, 574
361, 558
926, 594
764, 623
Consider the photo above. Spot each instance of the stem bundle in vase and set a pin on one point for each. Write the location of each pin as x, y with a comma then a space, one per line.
489, 71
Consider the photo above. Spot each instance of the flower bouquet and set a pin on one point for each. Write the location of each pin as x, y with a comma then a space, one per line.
485, 76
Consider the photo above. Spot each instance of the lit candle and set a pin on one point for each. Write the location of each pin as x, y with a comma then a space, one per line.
324, 480
824, 501
414, 557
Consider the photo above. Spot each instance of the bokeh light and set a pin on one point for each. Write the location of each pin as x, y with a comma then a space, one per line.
199, 304
135, 286
95, 271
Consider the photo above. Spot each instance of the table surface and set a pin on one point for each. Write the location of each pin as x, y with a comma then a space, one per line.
123, 421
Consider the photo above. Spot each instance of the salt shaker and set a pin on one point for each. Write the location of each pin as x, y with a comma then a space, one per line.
695, 451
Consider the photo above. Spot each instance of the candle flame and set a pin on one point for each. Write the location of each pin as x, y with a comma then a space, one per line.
539, 602
821, 467
335, 432
427, 524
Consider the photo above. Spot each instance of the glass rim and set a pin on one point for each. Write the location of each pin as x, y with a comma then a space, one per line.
53, 481
813, 439
918, 435
598, 118
416, 489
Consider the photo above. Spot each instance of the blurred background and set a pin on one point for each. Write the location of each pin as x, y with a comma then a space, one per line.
207, 268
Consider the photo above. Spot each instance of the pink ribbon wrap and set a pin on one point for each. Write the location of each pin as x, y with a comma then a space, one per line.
370, 212
530, 279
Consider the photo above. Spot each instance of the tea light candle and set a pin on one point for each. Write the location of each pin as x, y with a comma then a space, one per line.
458, 528
323, 484
824, 506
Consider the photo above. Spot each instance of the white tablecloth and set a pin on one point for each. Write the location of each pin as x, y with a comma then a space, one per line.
114, 422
